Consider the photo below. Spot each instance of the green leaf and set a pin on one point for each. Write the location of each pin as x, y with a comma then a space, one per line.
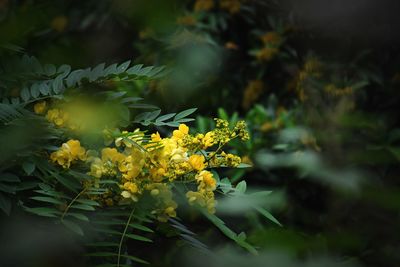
44, 89
5, 204
35, 90
152, 115
43, 211
49, 69
29, 167
141, 227
138, 237
83, 207
395, 152
229, 233
7, 188
88, 202
110, 254
225, 185
222, 114
73, 226
184, 113
25, 95
267, 215
241, 187
48, 200
165, 117
9, 177
244, 165
103, 244
78, 216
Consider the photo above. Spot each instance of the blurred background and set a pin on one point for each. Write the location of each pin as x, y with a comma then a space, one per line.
316, 81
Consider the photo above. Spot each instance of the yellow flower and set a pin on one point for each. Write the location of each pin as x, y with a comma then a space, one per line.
155, 137
40, 107
252, 92
203, 5
267, 53
271, 38
208, 140
206, 180
186, 20
233, 6
197, 162
96, 168
181, 132
231, 46
196, 197
111, 154
74, 146
68, 153
59, 23
57, 116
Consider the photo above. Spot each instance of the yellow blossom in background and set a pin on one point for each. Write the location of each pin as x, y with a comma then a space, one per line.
203, 5
187, 20
233, 6
310, 69
267, 53
146, 33
165, 206
40, 107
204, 197
252, 92
57, 116
271, 38
59, 23
231, 46
332, 90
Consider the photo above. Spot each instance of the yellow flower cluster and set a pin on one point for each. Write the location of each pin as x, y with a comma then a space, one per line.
271, 41
57, 116
204, 196
332, 90
276, 123
186, 20
141, 167
311, 69
266, 53
252, 92
40, 107
69, 152
203, 5
232, 6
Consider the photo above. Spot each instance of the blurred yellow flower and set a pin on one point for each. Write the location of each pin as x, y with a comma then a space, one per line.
40, 107
187, 20
253, 91
271, 38
266, 53
59, 23
233, 6
203, 5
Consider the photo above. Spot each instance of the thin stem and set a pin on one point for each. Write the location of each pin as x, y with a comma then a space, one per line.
123, 235
70, 204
